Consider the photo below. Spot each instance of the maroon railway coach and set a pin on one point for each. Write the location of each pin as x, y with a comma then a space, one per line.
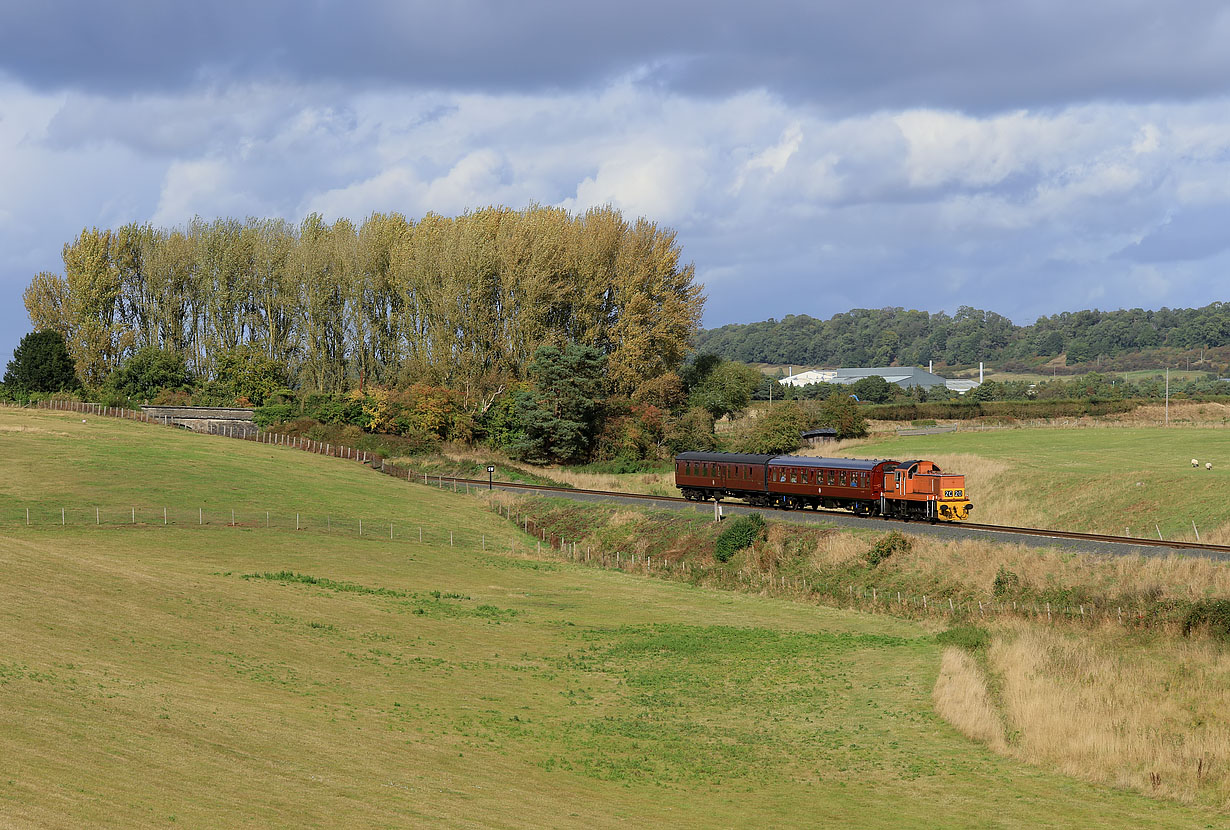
783, 480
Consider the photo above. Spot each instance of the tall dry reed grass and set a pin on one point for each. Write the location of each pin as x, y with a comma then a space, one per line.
961, 698
1106, 707
971, 566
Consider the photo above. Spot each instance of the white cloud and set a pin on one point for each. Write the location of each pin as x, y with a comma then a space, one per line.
783, 208
772, 159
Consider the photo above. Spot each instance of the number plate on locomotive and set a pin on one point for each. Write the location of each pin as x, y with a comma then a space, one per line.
954, 494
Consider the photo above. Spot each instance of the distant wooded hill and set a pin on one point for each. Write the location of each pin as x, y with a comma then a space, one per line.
1122, 340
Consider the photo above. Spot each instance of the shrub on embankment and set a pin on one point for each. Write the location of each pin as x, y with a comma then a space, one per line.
739, 534
866, 568
373, 443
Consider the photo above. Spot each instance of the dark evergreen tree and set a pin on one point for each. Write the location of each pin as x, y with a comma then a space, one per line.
41, 363
558, 413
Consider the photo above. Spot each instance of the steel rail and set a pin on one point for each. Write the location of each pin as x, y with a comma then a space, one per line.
1131, 541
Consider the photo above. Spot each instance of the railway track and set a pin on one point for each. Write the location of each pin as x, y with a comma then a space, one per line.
1103, 542
1003, 530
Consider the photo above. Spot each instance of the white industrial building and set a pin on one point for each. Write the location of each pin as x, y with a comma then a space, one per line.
906, 377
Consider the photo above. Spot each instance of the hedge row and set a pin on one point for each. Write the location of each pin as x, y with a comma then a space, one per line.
968, 410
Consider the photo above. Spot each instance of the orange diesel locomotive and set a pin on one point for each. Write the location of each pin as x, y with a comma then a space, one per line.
906, 489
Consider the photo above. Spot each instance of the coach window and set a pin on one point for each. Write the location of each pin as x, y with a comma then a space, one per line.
841, 478
794, 476
832, 478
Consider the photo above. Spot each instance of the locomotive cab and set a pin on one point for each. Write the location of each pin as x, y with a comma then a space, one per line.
920, 489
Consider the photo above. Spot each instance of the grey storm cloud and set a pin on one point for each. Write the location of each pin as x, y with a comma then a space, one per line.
1028, 157
966, 54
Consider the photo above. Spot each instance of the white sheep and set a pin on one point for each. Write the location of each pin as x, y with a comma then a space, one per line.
1208, 465
1195, 463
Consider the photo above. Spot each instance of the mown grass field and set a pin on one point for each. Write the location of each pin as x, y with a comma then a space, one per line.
155, 675
1102, 480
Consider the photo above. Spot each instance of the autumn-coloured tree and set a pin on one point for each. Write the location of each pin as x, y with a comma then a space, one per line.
461, 302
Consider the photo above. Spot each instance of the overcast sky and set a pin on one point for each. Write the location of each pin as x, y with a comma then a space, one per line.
1027, 157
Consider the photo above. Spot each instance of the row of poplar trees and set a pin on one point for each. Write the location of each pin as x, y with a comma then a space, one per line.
461, 302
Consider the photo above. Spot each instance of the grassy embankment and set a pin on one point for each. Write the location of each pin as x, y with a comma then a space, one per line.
1150, 708
151, 675
1114, 707
1150, 703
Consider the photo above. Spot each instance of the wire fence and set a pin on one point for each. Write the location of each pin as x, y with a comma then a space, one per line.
544, 544
404, 529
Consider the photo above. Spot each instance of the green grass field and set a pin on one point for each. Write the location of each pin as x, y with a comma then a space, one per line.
1085, 479
218, 676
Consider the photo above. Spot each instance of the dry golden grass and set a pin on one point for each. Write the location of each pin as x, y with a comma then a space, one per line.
654, 484
835, 550
962, 699
1105, 707
974, 564
1182, 413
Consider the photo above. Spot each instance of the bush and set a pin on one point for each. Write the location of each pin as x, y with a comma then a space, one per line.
740, 533
890, 543
1006, 582
384, 446
968, 637
840, 412
250, 375
1212, 615
692, 432
777, 433
274, 413
147, 372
